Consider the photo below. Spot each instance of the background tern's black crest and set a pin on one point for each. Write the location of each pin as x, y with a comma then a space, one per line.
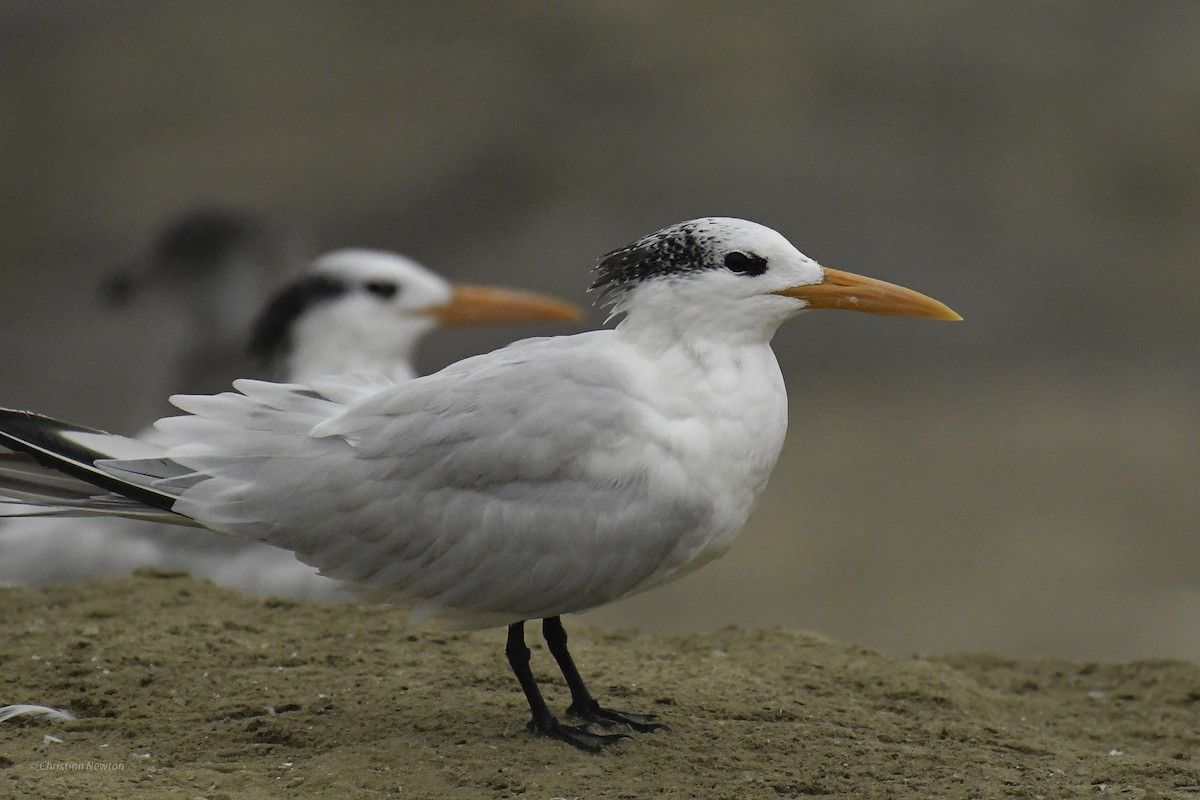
193, 247
272, 332
681, 248
201, 241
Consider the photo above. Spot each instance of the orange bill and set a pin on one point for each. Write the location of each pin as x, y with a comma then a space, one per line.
851, 292
487, 305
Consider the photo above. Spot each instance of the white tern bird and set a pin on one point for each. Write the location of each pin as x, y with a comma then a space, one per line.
352, 311
548, 477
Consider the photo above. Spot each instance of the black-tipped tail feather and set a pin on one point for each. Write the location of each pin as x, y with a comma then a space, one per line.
58, 466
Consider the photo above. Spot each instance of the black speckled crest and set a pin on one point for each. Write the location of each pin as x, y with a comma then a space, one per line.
681, 248
272, 331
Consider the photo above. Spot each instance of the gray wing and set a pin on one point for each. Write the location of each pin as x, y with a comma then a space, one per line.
523, 483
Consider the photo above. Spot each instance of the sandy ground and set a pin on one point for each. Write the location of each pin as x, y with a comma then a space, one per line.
185, 690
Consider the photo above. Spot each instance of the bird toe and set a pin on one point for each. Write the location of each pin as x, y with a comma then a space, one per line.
577, 735
607, 717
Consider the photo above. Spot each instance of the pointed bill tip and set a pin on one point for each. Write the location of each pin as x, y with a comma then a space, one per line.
850, 292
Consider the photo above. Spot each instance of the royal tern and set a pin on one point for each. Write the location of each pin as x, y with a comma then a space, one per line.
352, 311
548, 477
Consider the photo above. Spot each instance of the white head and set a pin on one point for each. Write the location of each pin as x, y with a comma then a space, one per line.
736, 281
365, 311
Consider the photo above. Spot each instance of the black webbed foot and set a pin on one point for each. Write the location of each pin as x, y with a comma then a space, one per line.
576, 735
607, 717
544, 723
583, 705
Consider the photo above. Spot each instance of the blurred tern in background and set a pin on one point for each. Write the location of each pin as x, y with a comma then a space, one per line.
548, 477
353, 311
365, 311
211, 268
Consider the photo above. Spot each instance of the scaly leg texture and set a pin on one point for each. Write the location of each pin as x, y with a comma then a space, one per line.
543, 721
583, 705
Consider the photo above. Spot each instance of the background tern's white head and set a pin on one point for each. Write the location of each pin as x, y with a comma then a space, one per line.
365, 311
353, 311
726, 277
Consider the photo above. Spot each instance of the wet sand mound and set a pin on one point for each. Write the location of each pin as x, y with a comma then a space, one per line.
187, 690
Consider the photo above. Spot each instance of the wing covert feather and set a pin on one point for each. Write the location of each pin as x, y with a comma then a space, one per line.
454, 492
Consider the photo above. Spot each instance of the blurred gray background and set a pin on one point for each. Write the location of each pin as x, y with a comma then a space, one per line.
1024, 482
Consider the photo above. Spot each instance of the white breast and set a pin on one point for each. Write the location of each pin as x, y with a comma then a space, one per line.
720, 415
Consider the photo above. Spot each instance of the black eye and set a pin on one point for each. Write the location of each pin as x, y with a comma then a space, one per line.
382, 289
744, 264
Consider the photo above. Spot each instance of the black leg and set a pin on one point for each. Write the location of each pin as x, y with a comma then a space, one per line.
543, 721
582, 703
